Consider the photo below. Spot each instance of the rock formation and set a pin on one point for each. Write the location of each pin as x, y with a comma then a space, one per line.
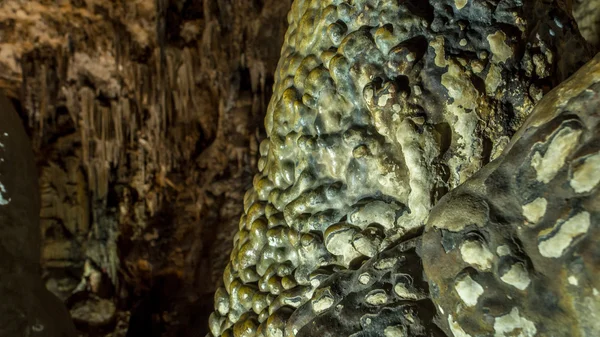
144, 117
516, 246
511, 252
587, 15
379, 108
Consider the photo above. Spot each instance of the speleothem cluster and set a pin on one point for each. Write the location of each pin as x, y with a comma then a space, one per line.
379, 109
383, 109
516, 246
511, 252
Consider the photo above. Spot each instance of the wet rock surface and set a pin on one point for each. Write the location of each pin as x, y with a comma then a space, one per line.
379, 108
513, 251
146, 143
386, 296
510, 252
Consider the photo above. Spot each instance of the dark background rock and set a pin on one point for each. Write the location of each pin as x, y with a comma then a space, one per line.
27, 307
145, 118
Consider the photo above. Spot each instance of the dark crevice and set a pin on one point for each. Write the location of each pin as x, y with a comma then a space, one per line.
486, 154
421, 8
444, 137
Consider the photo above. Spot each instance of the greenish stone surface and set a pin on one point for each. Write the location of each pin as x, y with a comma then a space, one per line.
379, 109
514, 250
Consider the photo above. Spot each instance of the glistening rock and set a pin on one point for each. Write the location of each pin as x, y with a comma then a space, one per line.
379, 108
524, 230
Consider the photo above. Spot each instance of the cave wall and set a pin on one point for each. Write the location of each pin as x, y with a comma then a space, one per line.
145, 118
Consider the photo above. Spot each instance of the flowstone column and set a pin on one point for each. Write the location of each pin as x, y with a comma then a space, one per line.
510, 252
379, 109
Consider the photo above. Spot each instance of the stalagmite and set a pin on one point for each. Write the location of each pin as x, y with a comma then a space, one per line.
380, 108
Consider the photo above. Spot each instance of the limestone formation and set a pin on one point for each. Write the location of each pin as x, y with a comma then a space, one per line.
511, 252
587, 15
145, 118
387, 296
379, 108
514, 250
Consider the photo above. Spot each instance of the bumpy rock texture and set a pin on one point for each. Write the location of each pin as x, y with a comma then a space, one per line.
143, 113
387, 296
514, 250
587, 15
27, 307
379, 108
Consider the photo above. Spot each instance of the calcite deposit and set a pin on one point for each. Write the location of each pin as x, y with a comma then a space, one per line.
514, 250
380, 111
145, 118
379, 108
587, 15
510, 252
